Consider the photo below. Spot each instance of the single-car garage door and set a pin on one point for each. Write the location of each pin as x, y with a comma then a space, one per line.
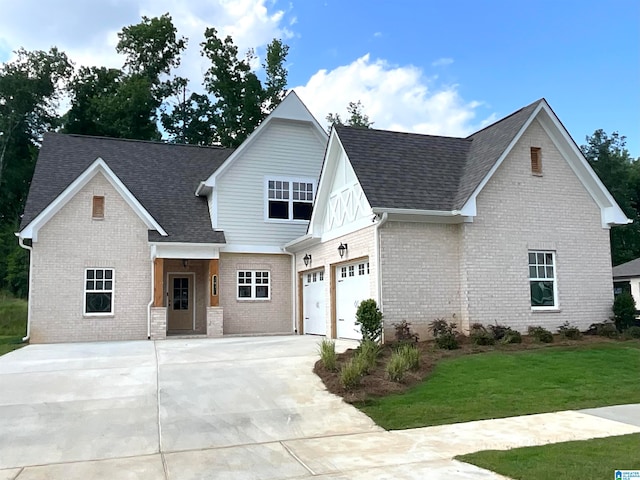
352, 286
313, 303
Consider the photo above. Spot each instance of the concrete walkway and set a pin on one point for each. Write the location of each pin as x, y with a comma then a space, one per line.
236, 408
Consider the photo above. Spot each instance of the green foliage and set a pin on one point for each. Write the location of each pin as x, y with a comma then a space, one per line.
569, 332
352, 372
603, 329
445, 334
328, 357
499, 331
13, 316
411, 354
479, 335
369, 351
357, 117
404, 333
624, 311
369, 317
541, 334
632, 332
397, 367
511, 336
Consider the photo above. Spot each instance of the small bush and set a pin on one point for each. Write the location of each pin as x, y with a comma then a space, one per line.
352, 372
369, 317
512, 336
368, 351
404, 334
479, 335
445, 334
328, 355
541, 334
499, 331
397, 367
624, 311
603, 329
569, 332
632, 332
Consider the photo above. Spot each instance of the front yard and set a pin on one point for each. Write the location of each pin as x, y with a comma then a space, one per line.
13, 323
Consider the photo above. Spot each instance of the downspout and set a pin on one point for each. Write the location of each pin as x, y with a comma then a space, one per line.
30, 248
382, 221
153, 272
294, 282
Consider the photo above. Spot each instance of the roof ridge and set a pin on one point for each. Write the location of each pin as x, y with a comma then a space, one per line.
507, 117
133, 140
415, 134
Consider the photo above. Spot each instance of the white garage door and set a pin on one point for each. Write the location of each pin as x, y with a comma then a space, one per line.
352, 286
313, 303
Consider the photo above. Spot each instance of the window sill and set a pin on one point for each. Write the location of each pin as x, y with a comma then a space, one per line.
282, 220
98, 315
546, 310
253, 300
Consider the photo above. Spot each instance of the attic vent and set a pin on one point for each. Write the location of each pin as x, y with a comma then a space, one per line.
98, 207
536, 161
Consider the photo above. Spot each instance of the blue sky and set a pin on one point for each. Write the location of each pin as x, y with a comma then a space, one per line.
441, 67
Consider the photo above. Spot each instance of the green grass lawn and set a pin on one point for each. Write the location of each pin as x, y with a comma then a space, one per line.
583, 460
505, 384
13, 323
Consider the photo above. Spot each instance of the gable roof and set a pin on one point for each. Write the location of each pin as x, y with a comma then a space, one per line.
162, 177
405, 172
627, 270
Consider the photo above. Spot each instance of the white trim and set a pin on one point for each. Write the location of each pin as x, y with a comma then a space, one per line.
253, 285
30, 291
112, 291
98, 166
195, 251
347, 229
192, 300
251, 249
555, 306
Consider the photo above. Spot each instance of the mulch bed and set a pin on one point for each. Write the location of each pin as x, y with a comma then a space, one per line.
376, 383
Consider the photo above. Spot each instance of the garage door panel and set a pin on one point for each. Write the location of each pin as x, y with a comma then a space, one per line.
352, 287
313, 294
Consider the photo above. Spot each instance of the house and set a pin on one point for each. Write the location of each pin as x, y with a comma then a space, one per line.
290, 231
135, 240
508, 225
626, 278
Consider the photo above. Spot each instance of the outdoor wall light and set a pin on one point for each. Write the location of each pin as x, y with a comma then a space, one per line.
307, 259
342, 248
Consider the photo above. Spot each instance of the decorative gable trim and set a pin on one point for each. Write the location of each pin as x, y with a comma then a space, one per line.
98, 166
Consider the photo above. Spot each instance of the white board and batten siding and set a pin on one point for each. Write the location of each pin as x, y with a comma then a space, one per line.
284, 149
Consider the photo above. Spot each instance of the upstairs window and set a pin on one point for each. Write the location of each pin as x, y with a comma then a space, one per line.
289, 199
536, 160
97, 208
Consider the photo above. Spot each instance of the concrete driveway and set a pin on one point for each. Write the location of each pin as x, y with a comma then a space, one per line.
235, 408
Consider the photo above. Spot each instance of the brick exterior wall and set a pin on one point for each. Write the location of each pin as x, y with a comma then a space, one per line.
420, 275
360, 245
256, 316
158, 327
70, 242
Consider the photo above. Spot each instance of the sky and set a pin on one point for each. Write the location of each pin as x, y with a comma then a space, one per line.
442, 67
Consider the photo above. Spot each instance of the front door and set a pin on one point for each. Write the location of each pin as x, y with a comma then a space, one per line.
180, 302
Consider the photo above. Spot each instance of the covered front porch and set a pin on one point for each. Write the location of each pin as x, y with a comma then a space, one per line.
186, 297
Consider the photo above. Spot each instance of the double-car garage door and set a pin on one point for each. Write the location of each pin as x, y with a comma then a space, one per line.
352, 286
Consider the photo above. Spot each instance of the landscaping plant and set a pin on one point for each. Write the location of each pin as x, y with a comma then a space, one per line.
445, 333
404, 334
569, 332
541, 334
369, 317
624, 311
368, 352
352, 372
632, 332
479, 335
603, 329
328, 354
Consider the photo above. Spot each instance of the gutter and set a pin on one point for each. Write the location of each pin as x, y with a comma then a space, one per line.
30, 249
382, 221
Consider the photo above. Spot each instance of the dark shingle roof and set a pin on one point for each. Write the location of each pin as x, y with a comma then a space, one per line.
426, 172
163, 178
626, 270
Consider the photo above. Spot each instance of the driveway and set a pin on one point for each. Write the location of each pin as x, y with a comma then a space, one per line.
245, 408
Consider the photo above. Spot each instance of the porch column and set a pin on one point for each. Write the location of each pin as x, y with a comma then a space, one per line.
214, 283
158, 291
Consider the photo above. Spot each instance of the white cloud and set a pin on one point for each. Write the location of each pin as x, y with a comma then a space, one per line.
398, 98
442, 62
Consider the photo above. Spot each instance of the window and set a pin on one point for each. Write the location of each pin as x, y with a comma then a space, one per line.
536, 160
542, 280
289, 200
253, 285
98, 291
97, 208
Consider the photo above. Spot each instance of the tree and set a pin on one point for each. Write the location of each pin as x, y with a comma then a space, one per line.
357, 117
611, 161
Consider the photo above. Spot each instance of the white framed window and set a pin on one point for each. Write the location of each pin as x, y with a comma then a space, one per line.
542, 280
254, 285
289, 199
98, 291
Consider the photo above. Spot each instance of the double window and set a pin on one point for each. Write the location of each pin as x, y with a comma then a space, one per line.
98, 291
542, 280
253, 285
289, 199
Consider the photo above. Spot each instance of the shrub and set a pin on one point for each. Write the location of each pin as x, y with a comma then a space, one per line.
479, 335
569, 332
541, 334
624, 311
368, 352
399, 364
328, 355
511, 336
369, 317
445, 333
604, 329
410, 354
632, 332
499, 331
352, 372
404, 334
